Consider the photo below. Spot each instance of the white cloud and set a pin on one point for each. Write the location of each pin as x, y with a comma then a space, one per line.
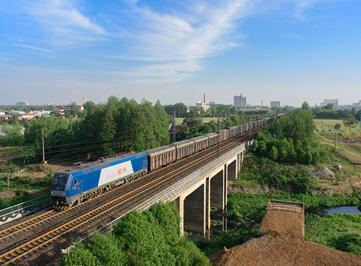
302, 6
66, 25
34, 48
171, 42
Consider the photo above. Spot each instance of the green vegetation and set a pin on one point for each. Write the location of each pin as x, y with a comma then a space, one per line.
342, 232
101, 130
178, 109
13, 134
328, 113
18, 186
290, 139
148, 238
118, 126
265, 172
285, 163
330, 127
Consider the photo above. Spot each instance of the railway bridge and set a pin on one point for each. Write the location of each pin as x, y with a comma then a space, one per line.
203, 190
197, 184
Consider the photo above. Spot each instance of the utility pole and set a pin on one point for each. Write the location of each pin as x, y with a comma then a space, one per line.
173, 126
43, 145
217, 134
8, 179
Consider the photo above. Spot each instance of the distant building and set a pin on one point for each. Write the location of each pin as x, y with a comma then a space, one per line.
22, 104
16, 112
33, 114
332, 102
63, 108
5, 118
202, 104
239, 101
28, 116
275, 104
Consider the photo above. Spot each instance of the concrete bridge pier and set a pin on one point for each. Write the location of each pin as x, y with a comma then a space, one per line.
208, 193
232, 170
194, 208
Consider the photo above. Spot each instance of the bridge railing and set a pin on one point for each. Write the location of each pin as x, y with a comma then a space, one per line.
22, 209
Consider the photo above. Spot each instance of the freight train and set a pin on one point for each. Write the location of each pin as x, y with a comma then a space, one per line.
82, 183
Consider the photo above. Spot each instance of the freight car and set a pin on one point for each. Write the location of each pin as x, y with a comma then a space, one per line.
159, 157
223, 134
234, 131
212, 139
184, 148
78, 185
200, 143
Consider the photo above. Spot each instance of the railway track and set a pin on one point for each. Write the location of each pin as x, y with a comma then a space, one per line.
30, 247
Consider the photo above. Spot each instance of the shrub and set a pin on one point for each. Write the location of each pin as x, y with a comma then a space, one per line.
147, 238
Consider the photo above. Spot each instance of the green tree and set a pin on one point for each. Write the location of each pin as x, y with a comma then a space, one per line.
305, 106
108, 131
13, 134
143, 239
80, 256
274, 153
350, 121
179, 109
107, 250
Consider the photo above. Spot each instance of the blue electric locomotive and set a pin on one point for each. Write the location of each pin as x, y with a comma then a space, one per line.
78, 185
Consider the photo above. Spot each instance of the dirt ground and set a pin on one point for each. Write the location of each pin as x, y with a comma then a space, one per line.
283, 250
7, 195
283, 244
353, 157
283, 219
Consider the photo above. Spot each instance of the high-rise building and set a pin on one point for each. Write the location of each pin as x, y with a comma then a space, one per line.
21, 104
239, 101
332, 102
275, 104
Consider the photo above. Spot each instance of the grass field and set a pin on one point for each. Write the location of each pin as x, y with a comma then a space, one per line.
342, 232
349, 151
327, 126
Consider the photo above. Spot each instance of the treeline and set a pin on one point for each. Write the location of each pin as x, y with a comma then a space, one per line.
290, 139
329, 113
148, 238
120, 125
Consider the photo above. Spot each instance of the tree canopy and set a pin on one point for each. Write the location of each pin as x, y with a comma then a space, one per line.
120, 125
291, 139
148, 238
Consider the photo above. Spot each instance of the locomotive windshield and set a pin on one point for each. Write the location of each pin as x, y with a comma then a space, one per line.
59, 181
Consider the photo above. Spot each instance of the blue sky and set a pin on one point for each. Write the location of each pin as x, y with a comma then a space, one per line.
57, 51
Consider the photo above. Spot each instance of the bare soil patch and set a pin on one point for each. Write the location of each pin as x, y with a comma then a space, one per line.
353, 157
7, 195
283, 250
283, 243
